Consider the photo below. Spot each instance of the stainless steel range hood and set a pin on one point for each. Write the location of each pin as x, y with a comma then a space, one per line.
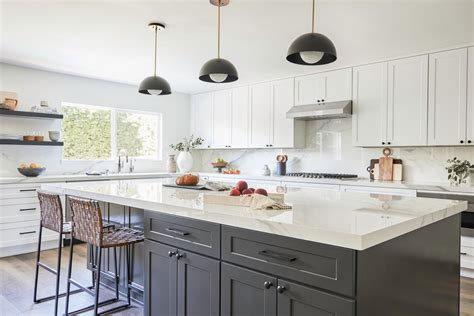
328, 110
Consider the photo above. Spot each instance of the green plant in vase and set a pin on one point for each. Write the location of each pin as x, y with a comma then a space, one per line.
458, 171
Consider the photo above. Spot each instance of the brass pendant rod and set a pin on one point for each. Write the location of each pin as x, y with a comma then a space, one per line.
219, 29
312, 25
156, 31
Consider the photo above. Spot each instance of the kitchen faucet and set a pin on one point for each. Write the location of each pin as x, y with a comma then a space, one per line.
121, 161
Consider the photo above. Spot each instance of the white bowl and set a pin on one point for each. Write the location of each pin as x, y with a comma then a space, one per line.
54, 135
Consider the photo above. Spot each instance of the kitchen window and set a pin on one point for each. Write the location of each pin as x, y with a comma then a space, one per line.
93, 132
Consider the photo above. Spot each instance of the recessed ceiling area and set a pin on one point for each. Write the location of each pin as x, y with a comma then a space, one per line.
110, 40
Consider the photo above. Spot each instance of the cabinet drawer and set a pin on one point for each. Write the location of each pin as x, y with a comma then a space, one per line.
198, 236
319, 265
18, 191
20, 212
467, 241
15, 234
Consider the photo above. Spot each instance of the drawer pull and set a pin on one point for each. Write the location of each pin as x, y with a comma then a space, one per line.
26, 233
27, 209
267, 284
463, 253
281, 288
27, 190
276, 255
177, 231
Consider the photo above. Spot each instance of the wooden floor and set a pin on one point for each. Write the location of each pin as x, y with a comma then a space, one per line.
17, 277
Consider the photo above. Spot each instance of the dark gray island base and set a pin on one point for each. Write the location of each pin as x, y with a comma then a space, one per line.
193, 267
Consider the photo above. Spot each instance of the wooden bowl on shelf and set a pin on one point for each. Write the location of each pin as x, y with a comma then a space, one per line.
39, 138
29, 138
31, 172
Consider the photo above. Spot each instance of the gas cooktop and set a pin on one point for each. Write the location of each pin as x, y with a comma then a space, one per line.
339, 176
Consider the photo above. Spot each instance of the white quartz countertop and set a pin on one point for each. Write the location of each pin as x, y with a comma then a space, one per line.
463, 189
351, 220
83, 177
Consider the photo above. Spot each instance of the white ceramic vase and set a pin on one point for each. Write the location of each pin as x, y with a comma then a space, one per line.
185, 161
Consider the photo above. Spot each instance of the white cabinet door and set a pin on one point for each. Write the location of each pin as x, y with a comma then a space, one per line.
470, 97
260, 114
407, 101
310, 89
338, 85
369, 105
222, 119
283, 128
201, 113
447, 96
240, 118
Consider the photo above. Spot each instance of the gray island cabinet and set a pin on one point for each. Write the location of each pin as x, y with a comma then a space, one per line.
196, 268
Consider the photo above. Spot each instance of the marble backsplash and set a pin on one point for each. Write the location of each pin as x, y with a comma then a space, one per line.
329, 149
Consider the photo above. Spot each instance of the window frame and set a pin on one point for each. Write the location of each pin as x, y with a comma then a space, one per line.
113, 132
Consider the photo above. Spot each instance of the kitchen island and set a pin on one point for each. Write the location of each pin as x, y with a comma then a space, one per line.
333, 253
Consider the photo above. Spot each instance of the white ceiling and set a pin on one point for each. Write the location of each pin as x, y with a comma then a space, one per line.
110, 39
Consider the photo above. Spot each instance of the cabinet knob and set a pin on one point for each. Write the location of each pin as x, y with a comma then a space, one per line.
322, 100
469, 141
462, 142
267, 284
171, 253
319, 101
388, 143
179, 255
383, 143
281, 288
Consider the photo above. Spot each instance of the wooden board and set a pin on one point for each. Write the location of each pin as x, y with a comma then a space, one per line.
223, 198
386, 168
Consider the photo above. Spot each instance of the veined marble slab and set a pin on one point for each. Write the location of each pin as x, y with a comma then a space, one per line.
351, 220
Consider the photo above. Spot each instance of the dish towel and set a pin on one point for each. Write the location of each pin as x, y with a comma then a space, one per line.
260, 202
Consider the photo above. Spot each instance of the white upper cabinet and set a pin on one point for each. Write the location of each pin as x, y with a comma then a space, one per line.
407, 117
240, 118
324, 87
221, 135
260, 114
470, 97
201, 116
447, 98
282, 127
369, 105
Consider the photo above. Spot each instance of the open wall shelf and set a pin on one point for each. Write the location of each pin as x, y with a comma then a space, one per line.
29, 114
33, 143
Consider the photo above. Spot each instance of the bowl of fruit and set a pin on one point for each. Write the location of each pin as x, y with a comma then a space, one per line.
31, 170
219, 163
242, 188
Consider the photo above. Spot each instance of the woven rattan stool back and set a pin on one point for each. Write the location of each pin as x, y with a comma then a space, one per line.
51, 211
86, 220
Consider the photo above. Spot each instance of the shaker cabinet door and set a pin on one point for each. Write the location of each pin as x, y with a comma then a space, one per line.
310, 89
470, 97
160, 280
260, 114
282, 127
221, 119
299, 300
202, 118
246, 293
407, 119
447, 98
240, 118
198, 285
369, 105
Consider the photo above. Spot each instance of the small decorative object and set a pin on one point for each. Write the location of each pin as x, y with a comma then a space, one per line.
458, 171
29, 138
39, 138
8, 100
54, 135
266, 171
231, 171
31, 170
171, 164
185, 159
281, 164
44, 104
219, 164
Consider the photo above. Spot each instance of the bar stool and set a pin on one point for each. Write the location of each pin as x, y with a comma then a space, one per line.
87, 227
51, 218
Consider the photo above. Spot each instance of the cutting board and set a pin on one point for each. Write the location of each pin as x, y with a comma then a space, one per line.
374, 170
223, 198
386, 168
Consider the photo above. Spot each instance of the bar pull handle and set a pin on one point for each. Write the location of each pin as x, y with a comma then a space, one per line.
26, 233
177, 231
276, 255
27, 209
463, 253
27, 190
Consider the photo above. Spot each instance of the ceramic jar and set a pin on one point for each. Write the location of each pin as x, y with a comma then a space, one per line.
185, 161
171, 164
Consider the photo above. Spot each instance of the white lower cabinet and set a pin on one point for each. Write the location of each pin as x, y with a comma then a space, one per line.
20, 219
467, 252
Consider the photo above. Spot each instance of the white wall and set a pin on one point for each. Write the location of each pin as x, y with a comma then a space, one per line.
329, 149
33, 86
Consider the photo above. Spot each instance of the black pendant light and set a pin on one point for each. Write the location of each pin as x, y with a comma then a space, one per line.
218, 70
155, 85
312, 49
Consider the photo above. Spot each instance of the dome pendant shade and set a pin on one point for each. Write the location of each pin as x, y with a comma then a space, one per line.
154, 85
218, 70
309, 47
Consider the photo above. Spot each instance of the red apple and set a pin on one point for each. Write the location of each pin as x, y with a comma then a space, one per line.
234, 192
247, 192
241, 185
261, 191
252, 189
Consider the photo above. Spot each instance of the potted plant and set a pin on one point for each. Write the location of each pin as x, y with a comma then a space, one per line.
458, 171
185, 159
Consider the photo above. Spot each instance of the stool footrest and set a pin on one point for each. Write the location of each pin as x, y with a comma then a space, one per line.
47, 268
52, 297
88, 308
87, 289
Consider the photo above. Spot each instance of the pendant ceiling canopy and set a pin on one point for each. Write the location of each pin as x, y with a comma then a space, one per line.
312, 49
218, 70
155, 85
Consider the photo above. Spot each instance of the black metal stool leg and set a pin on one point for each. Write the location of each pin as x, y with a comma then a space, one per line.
97, 284
37, 264
69, 273
117, 277
58, 273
